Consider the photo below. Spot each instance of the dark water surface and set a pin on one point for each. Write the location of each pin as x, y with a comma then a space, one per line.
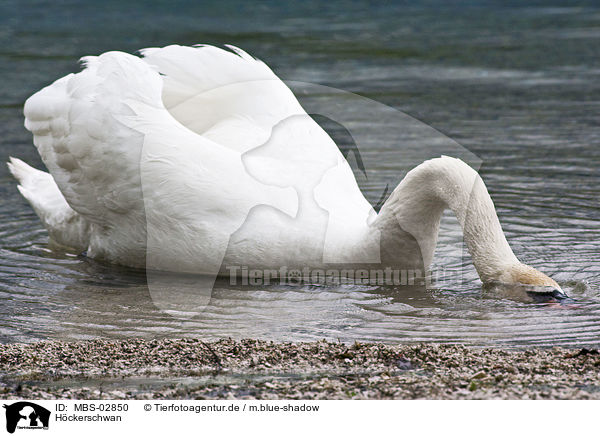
518, 87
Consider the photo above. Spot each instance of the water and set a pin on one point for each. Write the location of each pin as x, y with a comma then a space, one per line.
518, 87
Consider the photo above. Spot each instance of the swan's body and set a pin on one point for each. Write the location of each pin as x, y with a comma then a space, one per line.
197, 159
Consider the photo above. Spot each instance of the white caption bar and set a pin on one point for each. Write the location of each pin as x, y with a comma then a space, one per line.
153, 417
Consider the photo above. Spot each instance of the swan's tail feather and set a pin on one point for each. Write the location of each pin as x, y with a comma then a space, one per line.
19, 169
65, 226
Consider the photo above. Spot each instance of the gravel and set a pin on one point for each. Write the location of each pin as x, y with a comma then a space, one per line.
254, 369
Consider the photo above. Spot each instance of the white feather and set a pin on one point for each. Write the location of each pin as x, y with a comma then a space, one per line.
65, 226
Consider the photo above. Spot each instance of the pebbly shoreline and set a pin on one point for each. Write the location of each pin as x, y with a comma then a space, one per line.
255, 369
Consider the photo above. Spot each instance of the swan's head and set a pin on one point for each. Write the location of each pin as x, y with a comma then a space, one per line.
534, 283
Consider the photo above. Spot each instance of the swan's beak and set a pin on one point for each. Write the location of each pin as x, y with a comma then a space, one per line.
548, 294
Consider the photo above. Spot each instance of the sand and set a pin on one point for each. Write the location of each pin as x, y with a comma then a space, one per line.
254, 369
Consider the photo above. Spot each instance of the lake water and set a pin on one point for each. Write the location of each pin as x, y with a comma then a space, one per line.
517, 87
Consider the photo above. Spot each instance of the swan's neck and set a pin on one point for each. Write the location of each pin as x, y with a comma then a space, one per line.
416, 206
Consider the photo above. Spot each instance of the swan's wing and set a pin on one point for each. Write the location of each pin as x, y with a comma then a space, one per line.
91, 155
237, 101
124, 163
127, 165
227, 96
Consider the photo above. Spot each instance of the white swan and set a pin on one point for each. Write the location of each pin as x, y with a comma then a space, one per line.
197, 159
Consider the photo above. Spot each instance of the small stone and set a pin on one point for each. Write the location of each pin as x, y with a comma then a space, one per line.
404, 364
